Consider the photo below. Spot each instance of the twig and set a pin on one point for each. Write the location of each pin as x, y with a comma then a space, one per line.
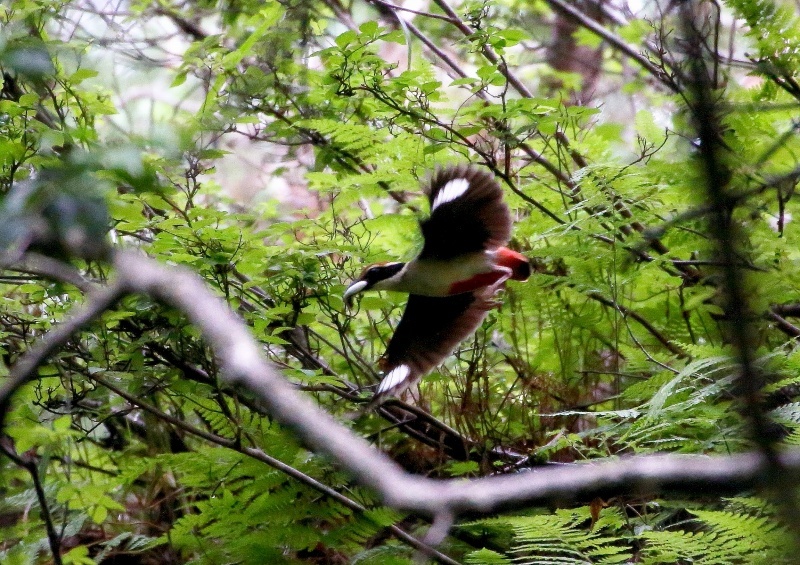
783, 324
791, 310
627, 312
29, 464
97, 302
614, 41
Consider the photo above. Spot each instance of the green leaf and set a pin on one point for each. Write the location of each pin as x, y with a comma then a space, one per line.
486, 557
458, 468
62, 424
369, 28
346, 39
82, 74
512, 36
371, 302
99, 514
464, 80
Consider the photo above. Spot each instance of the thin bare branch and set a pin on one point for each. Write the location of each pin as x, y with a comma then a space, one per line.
614, 41
29, 464
260, 455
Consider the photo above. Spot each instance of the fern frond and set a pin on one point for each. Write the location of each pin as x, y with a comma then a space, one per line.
562, 538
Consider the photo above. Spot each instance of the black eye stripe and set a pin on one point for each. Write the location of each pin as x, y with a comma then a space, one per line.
384, 271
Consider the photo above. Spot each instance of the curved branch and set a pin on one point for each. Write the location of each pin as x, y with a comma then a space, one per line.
242, 364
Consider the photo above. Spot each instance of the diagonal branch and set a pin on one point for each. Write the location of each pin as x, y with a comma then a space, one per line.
487, 51
614, 41
240, 358
242, 364
260, 455
644, 322
97, 302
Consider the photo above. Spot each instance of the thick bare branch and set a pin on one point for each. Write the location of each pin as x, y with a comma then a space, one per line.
241, 360
242, 363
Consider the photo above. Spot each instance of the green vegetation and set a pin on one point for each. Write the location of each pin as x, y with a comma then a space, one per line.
275, 148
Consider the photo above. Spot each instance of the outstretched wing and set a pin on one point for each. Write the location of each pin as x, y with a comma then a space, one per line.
467, 214
430, 329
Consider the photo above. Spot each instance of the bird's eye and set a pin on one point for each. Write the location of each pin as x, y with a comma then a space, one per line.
371, 274
379, 272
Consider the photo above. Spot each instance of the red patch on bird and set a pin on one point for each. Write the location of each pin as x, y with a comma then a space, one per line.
520, 271
476, 282
517, 262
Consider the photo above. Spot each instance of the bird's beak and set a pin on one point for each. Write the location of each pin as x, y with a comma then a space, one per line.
352, 290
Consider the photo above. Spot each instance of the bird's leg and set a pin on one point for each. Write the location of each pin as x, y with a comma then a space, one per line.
505, 274
490, 291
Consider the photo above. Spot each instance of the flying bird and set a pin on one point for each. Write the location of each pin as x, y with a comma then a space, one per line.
452, 282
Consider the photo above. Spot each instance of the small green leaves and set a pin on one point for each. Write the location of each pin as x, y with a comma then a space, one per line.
508, 37
486, 556
462, 468
63, 210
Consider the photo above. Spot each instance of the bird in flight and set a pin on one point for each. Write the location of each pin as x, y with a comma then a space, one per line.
452, 282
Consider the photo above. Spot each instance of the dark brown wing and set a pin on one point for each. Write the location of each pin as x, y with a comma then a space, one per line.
464, 220
430, 329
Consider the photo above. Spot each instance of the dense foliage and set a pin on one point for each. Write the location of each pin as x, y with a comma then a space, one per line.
277, 147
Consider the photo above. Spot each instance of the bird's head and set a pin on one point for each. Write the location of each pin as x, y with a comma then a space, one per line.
381, 276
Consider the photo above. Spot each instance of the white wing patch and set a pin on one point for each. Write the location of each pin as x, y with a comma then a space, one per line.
394, 378
450, 191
